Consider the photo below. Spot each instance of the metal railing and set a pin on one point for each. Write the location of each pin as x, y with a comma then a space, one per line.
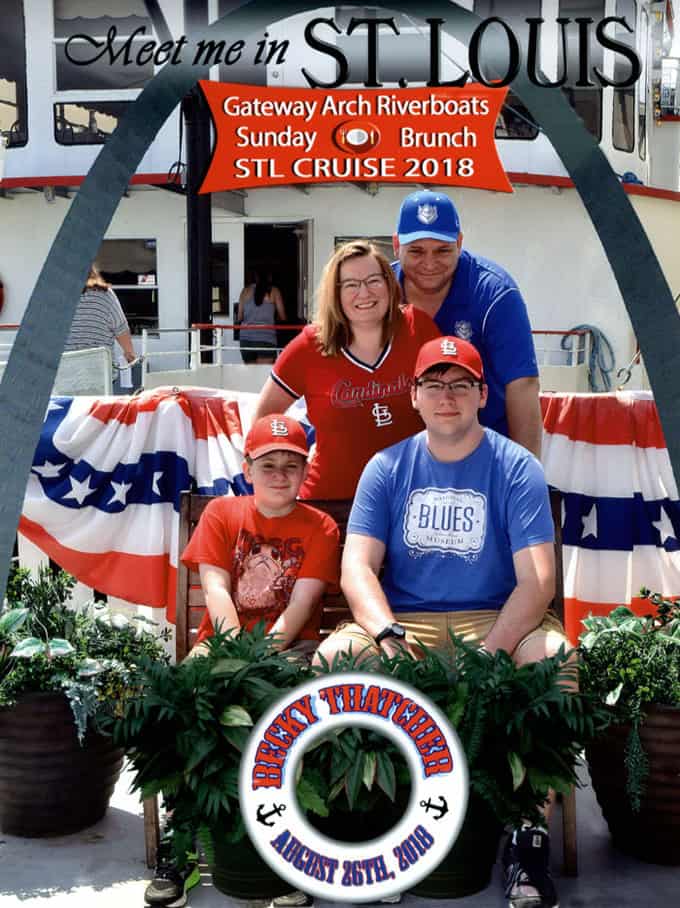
549, 347
551, 351
218, 347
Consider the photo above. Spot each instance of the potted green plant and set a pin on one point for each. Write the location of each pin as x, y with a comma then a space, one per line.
64, 674
632, 664
522, 732
185, 732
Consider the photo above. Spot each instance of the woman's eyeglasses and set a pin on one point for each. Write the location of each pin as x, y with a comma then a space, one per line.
374, 283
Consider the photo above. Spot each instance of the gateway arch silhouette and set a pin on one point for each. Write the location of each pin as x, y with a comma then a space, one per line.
32, 365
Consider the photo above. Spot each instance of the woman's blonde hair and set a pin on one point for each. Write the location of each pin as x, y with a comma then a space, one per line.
332, 326
95, 281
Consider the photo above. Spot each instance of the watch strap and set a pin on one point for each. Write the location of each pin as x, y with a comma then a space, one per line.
389, 631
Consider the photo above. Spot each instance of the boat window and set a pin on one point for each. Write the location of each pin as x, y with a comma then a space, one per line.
129, 265
623, 113
219, 278
586, 101
13, 104
94, 18
514, 120
623, 119
86, 122
670, 87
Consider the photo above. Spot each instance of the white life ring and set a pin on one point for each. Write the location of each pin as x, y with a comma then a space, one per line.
396, 860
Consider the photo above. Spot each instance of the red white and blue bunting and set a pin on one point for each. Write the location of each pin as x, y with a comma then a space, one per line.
102, 499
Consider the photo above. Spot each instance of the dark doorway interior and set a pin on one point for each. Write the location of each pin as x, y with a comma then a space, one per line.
274, 248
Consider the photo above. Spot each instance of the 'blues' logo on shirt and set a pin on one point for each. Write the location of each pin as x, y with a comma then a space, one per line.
452, 521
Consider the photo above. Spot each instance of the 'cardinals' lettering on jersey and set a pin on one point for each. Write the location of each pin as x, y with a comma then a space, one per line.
356, 408
347, 394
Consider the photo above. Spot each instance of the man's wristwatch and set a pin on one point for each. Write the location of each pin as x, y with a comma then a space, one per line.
392, 630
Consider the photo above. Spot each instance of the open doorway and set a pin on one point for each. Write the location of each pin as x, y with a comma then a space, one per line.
280, 250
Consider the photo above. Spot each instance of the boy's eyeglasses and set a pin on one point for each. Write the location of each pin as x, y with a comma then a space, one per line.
374, 283
460, 388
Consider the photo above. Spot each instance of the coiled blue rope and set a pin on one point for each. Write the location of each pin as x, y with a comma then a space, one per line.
601, 360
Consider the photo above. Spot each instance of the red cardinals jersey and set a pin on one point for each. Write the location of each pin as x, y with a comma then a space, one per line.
356, 408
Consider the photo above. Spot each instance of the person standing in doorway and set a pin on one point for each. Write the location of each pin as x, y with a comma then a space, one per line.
99, 319
258, 305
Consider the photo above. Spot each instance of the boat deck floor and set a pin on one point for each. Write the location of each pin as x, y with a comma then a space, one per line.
104, 866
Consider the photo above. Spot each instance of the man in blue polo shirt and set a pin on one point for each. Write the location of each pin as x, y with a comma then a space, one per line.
472, 298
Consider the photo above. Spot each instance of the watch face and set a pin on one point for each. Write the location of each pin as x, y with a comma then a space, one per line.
398, 631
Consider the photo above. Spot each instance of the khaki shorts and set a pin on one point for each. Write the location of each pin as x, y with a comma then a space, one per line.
432, 629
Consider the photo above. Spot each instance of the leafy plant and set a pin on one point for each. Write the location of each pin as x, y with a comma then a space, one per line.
353, 771
187, 726
522, 729
630, 662
10, 622
46, 645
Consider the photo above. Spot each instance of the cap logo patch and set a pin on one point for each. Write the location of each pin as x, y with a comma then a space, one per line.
279, 428
427, 214
449, 348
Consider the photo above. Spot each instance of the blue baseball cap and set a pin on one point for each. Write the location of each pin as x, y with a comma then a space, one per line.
427, 215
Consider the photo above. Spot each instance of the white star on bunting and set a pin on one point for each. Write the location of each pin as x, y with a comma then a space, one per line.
590, 523
156, 479
120, 490
79, 490
664, 526
48, 470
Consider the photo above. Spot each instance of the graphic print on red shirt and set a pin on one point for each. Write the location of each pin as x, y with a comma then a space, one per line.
264, 573
264, 557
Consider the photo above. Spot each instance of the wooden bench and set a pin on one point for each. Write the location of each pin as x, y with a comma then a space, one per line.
191, 607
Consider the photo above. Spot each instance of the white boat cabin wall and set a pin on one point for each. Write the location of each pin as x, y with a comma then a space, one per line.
55, 117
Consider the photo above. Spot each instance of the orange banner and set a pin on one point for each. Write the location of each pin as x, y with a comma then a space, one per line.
276, 136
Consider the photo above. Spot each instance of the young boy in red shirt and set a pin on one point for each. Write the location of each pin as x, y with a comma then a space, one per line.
266, 556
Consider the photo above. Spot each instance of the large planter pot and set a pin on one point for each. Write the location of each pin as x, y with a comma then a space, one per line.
467, 867
241, 873
49, 784
653, 833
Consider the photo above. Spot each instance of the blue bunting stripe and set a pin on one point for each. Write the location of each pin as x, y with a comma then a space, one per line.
620, 524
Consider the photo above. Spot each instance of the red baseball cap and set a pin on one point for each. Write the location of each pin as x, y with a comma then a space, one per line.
449, 351
276, 432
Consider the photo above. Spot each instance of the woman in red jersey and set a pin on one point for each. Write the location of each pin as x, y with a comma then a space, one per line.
353, 366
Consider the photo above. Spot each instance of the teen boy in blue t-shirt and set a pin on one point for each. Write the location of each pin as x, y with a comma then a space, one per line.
460, 518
